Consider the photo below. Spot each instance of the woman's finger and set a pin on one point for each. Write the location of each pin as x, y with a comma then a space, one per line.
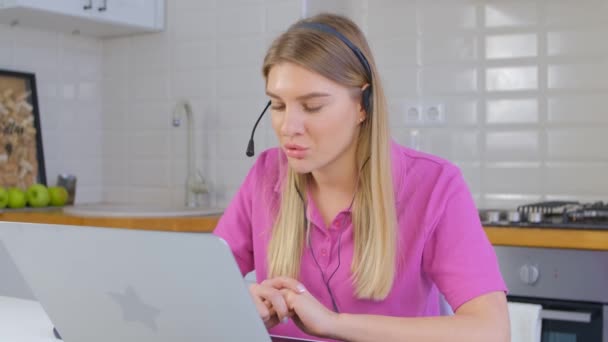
285, 282
274, 297
261, 306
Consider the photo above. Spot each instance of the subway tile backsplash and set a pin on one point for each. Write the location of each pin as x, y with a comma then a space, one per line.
68, 71
520, 87
510, 13
512, 78
519, 84
511, 46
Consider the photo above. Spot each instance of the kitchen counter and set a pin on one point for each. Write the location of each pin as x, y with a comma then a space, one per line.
182, 224
500, 236
549, 238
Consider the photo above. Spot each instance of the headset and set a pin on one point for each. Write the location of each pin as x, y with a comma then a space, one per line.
306, 225
366, 96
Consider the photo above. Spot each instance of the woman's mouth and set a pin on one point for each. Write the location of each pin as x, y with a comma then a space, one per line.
295, 151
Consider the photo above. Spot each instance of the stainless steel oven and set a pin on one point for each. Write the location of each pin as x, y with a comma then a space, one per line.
571, 286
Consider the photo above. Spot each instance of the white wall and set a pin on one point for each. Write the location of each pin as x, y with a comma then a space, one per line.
68, 71
210, 54
522, 85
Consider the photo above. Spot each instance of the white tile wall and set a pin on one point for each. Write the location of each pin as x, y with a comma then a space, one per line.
68, 71
441, 48
512, 78
510, 13
446, 16
512, 145
511, 46
578, 42
590, 75
580, 108
570, 13
210, 54
522, 85
522, 178
506, 111
448, 80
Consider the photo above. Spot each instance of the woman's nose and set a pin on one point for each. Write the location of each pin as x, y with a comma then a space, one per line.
293, 123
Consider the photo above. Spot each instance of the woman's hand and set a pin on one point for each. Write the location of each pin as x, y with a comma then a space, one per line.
309, 314
269, 300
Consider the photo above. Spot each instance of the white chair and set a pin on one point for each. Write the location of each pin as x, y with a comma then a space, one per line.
526, 322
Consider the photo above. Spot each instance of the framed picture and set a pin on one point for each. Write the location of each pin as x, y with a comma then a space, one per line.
21, 154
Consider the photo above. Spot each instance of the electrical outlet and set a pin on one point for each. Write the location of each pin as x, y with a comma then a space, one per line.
434, 114
413, 115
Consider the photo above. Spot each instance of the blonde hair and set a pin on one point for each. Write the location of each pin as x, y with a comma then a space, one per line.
373, 213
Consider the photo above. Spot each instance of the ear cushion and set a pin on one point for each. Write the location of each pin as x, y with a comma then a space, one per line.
366, 97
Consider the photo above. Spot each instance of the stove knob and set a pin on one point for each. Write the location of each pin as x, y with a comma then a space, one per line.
514, 216
493, 216
535, 217
529, 274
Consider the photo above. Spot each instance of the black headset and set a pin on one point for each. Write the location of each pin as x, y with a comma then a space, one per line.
366, 96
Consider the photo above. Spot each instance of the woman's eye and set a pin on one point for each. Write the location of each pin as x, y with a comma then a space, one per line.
312, 109
277, 107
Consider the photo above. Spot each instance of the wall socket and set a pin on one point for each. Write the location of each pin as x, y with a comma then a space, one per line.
413, 115
428, 114
434, 114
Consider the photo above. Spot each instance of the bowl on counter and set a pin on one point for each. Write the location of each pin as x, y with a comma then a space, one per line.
138, 210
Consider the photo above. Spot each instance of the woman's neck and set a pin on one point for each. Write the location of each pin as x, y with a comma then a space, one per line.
339, 177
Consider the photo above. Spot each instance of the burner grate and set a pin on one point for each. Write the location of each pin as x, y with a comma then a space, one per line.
549, 207
589, 212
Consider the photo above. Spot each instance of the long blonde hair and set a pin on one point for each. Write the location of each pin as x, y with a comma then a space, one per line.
374, 217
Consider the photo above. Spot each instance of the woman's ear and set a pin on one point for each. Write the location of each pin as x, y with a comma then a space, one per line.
366, 98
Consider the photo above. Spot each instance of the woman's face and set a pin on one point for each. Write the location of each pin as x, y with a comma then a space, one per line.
316, 120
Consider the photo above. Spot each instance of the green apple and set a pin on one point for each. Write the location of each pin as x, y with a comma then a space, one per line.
3, 198
38, 196
59, 195
16, 198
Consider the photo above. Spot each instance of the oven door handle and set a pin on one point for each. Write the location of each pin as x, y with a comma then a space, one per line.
569, 316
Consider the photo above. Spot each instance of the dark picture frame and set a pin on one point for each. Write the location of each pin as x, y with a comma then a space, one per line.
21, 152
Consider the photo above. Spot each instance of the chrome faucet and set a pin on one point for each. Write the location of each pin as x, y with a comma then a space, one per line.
195, 183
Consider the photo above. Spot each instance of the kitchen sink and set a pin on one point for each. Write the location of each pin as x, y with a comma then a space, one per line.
137, 210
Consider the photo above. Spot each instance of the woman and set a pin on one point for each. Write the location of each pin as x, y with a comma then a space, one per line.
353, 237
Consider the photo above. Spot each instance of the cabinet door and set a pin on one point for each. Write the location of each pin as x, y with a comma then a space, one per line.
143, 13
77, 8
101, 18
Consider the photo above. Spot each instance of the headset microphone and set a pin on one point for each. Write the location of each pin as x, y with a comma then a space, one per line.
367, 91
250, 147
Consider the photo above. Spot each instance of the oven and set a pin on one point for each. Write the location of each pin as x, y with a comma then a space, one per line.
570, 285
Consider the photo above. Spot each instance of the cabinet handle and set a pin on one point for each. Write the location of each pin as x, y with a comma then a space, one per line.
103, 7
568, 316
89, 6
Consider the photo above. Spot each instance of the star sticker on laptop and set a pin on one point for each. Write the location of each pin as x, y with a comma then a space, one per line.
134, 310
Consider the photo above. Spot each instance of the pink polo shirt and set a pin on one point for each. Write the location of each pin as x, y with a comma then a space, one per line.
444, 246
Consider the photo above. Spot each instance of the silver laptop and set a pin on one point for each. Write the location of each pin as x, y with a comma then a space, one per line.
108, 284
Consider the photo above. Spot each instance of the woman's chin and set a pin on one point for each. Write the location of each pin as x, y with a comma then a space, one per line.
300, 166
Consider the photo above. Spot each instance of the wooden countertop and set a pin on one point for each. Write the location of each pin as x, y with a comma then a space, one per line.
550, 238
500, 236
182, 224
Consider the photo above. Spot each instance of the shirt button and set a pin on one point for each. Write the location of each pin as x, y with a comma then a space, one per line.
324, 252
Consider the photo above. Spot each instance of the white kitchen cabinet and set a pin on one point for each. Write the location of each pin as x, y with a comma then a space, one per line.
101, 18
135, 12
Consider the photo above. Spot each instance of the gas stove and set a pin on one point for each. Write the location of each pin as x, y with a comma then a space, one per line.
551, 214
